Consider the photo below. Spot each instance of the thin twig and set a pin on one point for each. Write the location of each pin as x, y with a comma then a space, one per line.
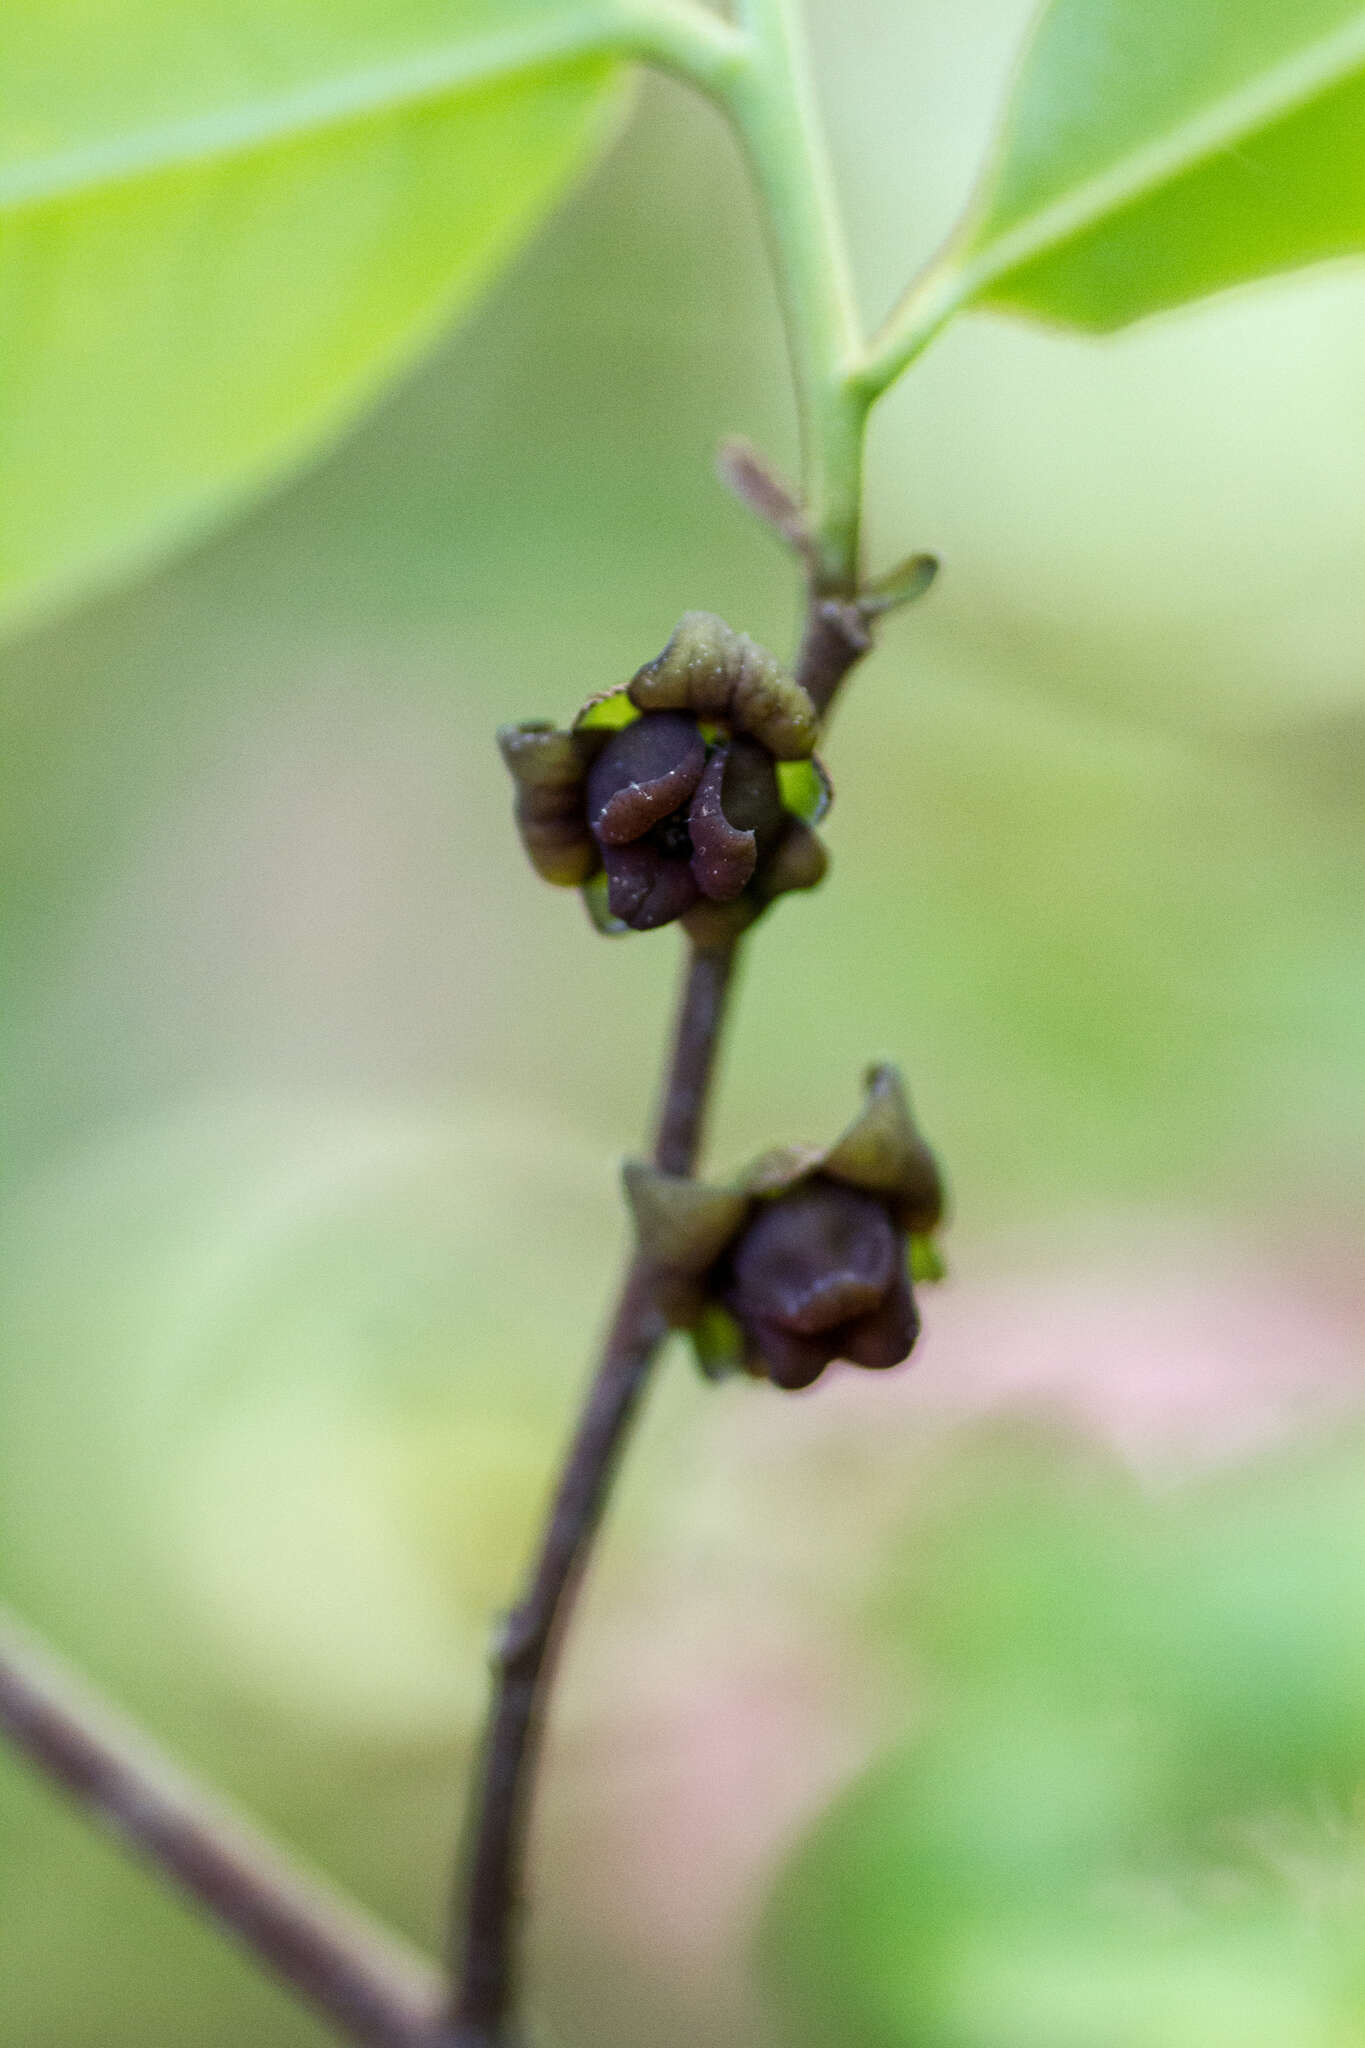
488, 1925
837, 635
489, 1911
696, 1041
373, 1990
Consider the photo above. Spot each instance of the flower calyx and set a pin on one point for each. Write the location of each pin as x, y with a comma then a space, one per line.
690, 794
811, 1256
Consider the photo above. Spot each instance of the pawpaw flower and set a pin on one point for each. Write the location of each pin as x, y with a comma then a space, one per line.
809, 1257
689, 794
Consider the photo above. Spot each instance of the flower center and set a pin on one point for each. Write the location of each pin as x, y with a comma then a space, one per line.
671, 835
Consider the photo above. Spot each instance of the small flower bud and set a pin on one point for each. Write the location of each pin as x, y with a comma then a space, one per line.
669, 792
638, 791
810, 1258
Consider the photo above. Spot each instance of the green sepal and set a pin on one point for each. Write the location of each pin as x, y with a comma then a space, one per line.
805, 789
926, 1261
608, 712
723, 676
717, 1343
598, 908
883, 1152
682, 1226
777, 1172
540, 756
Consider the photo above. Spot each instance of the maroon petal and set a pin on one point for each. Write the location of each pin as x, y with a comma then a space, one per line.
887, 1337
723, 856
647, 887
752, 799
831, 1299
790, 1362
645, 771
816, 1258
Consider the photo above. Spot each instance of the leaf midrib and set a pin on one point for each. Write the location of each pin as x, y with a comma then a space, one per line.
239, 129
1269, 98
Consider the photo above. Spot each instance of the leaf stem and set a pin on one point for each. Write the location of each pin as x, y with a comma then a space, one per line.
772, 103
758, 74
372, 1989
924, 310
679, 37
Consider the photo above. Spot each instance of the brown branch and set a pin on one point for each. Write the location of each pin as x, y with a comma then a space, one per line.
696, 1041
372, 1989
489, 1912
837, 635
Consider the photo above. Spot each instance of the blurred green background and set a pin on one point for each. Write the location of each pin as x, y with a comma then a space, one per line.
311, 1100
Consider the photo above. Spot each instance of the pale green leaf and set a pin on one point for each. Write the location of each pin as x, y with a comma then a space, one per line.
222, 224
1157, 150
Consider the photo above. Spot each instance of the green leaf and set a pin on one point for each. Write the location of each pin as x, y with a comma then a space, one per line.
223, 224
1157, 150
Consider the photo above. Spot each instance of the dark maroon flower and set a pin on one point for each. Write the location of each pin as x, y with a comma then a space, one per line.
664, 798
807, 1258
821, 1274
676, 820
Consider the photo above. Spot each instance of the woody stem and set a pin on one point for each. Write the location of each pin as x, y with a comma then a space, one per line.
523, 1664
363, 1981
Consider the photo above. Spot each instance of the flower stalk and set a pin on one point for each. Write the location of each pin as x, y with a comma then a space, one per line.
490, 1903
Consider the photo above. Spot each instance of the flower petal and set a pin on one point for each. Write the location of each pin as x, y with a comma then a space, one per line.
647, 887
816, 1258
709, 669
798, 862
723, 856
790, 1362
642, 774
887, 1336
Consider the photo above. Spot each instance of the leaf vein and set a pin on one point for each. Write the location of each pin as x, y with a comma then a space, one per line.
1219, 129
239, 130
